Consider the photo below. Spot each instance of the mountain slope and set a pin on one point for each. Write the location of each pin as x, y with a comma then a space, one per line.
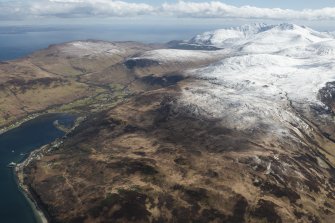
241, 134
260, 38
53, 77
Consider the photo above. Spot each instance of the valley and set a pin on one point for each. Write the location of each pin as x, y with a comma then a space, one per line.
234, 125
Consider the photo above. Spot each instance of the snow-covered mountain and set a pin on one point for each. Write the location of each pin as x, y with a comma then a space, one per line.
267, 69
261, 38
243, 133
264, 61
175, 55
221, 37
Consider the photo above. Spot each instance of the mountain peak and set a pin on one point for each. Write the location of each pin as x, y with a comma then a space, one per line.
252, 26
258, 35
220, 35
288, 26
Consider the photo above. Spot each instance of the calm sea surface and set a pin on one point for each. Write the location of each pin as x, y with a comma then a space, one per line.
19, 41
14, 147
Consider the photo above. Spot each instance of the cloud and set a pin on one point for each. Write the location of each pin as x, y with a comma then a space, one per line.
87, 8
21, 9
216, 9
72, 8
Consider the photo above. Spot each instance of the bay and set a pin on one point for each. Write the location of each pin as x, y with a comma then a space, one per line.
15, 145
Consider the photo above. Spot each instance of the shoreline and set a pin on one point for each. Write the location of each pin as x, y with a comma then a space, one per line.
19, 122
40, 214
16, 123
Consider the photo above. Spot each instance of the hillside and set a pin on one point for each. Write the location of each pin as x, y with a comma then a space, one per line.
243, 132
52, 77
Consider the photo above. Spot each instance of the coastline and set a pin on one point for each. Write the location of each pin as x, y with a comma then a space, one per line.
19, 122
40, 215
18, 171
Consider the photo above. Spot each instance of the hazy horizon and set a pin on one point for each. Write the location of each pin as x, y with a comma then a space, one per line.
20, 40
26, 26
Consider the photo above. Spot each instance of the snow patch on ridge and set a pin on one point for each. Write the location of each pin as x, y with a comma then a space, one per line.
92, 48
299, 78
261, 38
255, 87
175, 55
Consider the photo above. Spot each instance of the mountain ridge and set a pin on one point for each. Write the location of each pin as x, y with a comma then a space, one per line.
284, 33
239, 134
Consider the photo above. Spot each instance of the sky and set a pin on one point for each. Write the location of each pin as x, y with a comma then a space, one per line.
293, 4
317, 13
28, 25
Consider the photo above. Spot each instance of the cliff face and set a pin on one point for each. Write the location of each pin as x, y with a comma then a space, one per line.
187, 136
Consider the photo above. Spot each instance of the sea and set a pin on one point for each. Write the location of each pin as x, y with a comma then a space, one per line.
15, 146
20, 41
